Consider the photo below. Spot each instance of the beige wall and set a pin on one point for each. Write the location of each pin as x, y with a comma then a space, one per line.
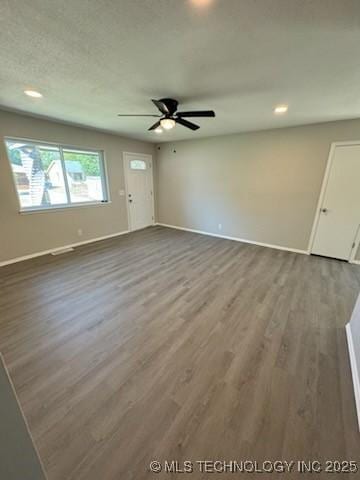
261, 186
23, 234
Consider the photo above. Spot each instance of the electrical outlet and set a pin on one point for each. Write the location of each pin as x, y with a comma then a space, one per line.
220, 226
121, 193
80, 232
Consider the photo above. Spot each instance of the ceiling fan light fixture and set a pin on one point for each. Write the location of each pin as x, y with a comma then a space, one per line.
167, 123
158, 130
33, 93
281, 109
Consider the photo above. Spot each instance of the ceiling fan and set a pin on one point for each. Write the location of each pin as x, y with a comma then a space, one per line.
170, 116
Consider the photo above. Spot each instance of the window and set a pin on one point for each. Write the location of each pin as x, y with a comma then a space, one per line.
137, 165
49, 176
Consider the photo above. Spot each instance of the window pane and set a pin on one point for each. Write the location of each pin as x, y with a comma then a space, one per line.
84, 173
34, 168
137, 165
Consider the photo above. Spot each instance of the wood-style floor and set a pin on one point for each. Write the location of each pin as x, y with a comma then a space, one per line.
168, 345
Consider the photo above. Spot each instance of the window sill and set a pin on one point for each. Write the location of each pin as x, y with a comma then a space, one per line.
31, 211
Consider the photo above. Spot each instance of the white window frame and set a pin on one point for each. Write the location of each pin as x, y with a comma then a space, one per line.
61, 147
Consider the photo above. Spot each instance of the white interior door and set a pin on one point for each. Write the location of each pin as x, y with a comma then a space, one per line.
139, 186
339, 217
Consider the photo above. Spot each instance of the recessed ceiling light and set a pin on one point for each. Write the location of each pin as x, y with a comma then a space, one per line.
33, 93
167, 123
201, 3
158, 130
279, 109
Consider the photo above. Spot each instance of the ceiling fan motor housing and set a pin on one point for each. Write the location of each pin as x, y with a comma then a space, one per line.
171, 104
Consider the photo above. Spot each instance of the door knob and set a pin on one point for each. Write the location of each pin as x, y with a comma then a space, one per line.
324, 210
130, 201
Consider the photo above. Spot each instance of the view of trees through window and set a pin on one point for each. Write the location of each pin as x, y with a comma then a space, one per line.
47, 175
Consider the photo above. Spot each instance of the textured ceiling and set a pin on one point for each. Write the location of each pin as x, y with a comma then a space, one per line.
92, 59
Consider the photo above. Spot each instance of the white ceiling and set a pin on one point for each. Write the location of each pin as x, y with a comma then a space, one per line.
94, 59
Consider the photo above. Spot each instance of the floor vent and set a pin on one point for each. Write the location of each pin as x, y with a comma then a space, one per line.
63, 250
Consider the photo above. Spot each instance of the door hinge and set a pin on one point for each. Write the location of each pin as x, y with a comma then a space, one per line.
353, 245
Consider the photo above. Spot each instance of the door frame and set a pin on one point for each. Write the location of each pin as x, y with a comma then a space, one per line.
138, 156
322, 196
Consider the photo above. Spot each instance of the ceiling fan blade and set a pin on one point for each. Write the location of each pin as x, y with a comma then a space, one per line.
137, 115
161, 106
187, 124
197, 113
156, 125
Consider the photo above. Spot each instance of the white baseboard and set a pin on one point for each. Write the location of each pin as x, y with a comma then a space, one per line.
54, 250
236, 239
356, 262
354, 370
62, 251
